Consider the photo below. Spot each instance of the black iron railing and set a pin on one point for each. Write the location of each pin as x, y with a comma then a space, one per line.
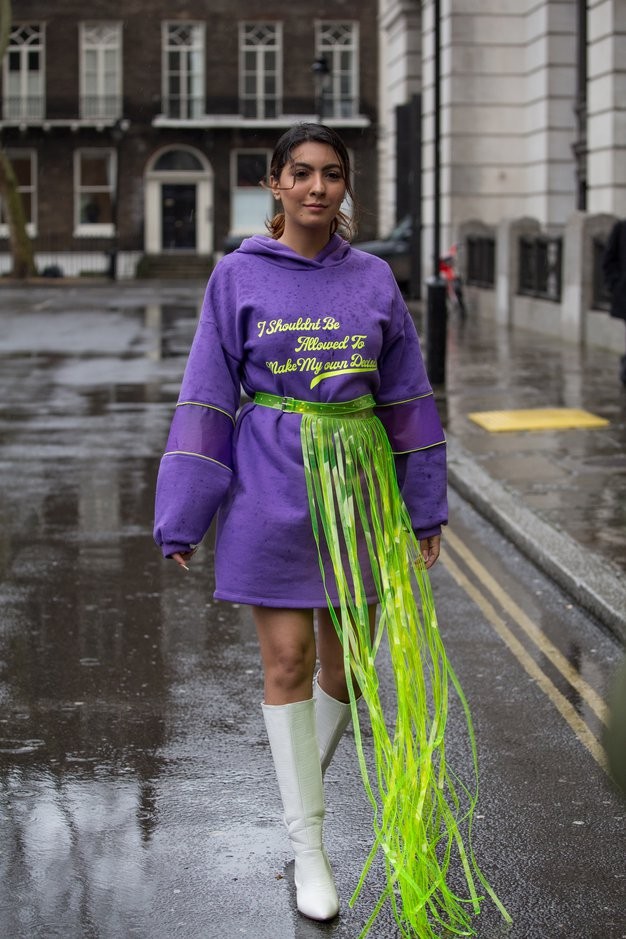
540, 267
481, 260
601, 298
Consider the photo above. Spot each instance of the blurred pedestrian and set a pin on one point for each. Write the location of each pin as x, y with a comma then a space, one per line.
311, 521
614, 269
448, 270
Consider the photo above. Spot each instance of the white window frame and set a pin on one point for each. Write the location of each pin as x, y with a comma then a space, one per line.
95, 229
337, 101
259, 45
235, 227
25, 103
31, 223
191, 102
103, 39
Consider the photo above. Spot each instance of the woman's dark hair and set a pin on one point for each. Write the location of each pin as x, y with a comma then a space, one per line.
282, 156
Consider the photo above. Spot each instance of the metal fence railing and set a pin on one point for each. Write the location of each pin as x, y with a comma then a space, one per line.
540, 267
86, 257
601, 298
481, 260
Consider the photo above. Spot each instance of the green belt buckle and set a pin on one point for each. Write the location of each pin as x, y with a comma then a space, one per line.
288, 404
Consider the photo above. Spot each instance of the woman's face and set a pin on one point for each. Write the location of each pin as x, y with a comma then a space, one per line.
311, 186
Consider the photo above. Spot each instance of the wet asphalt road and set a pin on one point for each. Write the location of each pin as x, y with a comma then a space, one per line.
137, 797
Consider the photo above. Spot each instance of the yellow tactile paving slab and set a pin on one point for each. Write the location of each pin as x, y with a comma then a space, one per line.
536, 419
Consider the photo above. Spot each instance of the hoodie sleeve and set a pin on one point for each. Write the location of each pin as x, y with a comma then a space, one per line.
407, 409
196, 468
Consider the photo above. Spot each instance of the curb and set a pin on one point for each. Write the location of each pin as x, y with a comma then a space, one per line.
589, 579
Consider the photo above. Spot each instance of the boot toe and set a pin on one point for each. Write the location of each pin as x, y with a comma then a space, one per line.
316, 892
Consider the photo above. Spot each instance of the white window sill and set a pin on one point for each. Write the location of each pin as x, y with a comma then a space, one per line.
94, 231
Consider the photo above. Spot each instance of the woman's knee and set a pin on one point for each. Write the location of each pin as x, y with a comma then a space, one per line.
291, 666
288, 651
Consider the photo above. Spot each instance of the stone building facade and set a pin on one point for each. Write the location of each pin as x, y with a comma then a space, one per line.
532, 139
141, 133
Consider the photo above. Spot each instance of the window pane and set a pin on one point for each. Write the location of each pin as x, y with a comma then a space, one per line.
94, 170
178, 160
33, 83
251, 169
250, 209
21, 168
95, 208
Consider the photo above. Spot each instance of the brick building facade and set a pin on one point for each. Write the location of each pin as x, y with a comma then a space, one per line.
142, 135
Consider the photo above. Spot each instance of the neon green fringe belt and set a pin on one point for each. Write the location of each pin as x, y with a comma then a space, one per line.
422, 811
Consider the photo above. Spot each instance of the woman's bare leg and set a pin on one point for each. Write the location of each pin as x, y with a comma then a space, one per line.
332, 677
287, 642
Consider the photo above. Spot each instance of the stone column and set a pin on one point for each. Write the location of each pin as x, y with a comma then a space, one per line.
507, 263
606, 107
577, 288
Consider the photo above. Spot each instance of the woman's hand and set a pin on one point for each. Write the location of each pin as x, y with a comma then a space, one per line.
181, 558
430, 548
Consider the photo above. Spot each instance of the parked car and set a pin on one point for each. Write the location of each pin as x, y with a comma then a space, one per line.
232, 242
395, 249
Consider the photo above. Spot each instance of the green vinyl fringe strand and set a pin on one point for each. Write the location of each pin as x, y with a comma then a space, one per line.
422, 812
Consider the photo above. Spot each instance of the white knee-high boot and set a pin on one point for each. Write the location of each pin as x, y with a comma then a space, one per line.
295, 750
332, 719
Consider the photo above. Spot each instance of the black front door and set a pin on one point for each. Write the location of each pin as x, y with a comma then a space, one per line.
179, 217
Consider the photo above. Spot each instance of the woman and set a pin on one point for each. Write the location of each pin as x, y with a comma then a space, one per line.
311, 520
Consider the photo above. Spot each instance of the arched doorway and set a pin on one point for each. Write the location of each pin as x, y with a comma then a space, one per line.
179, 202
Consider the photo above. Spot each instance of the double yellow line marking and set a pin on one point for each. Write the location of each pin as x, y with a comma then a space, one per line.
536, 636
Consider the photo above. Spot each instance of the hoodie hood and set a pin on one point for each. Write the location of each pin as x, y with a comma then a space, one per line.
272, 251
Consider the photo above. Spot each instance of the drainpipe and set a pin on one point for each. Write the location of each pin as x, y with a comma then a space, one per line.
579, 147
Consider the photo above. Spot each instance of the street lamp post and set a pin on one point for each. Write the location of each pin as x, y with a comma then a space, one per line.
321, 74
436, 308
118, 130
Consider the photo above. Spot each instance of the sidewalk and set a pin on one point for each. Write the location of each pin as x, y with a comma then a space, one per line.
560, 495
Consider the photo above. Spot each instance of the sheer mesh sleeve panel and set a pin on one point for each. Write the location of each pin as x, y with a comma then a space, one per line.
201, 430
412, 425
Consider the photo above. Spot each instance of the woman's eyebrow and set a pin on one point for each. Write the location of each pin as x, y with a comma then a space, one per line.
307, 166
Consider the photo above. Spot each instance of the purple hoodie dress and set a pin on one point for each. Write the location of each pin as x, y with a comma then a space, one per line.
326, 329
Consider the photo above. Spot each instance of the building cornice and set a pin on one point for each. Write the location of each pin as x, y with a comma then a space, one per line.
206, 122
236, 121
71, 123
